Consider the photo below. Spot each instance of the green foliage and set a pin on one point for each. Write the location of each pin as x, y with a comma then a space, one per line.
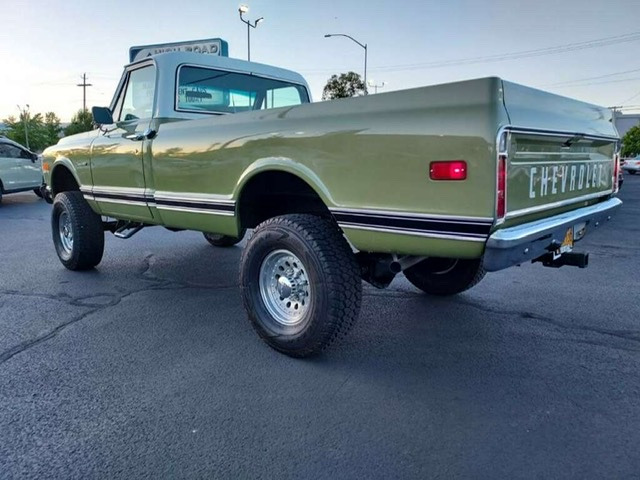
52, 128
631, 142
343, 86
41, 133
82, 121
15, 130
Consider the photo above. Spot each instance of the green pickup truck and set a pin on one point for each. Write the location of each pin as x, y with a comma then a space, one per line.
442, 183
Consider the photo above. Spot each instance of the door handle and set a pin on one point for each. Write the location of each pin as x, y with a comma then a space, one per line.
148, 134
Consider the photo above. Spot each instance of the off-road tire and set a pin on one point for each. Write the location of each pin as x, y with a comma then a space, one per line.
445, 276
87, 231
334, 281
223, 241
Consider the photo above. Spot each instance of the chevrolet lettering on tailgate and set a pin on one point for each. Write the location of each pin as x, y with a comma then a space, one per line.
552, 180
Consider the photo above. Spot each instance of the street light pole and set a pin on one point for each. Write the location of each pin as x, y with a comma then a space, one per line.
242, 10
25, 121
364, 46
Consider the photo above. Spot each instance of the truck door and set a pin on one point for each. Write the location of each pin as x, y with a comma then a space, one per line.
117, 169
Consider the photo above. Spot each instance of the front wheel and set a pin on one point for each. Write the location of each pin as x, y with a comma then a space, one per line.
632, 172
445, 276
77, 232
300, 283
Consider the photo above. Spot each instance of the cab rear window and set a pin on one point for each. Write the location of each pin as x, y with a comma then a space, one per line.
205, 90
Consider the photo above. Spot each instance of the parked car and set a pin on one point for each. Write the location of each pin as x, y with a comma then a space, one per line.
632, 165
20, 169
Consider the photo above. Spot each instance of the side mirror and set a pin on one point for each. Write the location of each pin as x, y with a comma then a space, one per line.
34, 157
102, 115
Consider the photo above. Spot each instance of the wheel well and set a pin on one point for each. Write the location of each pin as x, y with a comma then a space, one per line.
270, 194
62, 180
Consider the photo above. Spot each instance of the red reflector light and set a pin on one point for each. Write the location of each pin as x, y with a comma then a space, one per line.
450, 170
501, 200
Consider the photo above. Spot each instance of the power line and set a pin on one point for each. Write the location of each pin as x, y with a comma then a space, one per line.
622, 80
592, 78
84, 86
565, 48
631, 98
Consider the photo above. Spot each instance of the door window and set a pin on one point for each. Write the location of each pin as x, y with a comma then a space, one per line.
9, 151
4, 152
137, 98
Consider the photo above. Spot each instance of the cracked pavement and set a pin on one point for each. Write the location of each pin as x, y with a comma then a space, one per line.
148, 368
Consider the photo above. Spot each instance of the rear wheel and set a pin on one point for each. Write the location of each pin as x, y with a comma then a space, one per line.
631, 172
77, 232
300, 283
445, 276
218, 240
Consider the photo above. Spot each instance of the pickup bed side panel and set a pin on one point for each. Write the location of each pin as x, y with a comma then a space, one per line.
368, 157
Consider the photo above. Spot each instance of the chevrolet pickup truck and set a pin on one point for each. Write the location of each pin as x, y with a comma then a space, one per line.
442, 183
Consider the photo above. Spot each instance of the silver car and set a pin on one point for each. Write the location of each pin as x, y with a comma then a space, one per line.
20, 169
632, 165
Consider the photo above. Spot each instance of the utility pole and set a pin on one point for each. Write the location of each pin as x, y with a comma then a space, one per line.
84, 86
376, 87
615, 110
25, 121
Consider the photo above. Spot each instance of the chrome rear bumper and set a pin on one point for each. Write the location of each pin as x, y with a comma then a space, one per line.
514, 245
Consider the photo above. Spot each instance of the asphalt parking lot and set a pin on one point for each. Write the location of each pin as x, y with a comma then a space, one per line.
148, 367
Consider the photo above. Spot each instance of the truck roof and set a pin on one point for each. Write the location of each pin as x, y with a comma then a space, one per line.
170, 61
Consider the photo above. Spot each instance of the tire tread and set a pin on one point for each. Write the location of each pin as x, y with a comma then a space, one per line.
88, 237
338, 263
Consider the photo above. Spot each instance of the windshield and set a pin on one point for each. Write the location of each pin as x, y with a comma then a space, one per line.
206, 90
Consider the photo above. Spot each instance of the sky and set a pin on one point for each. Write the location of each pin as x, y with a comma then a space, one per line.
46, 45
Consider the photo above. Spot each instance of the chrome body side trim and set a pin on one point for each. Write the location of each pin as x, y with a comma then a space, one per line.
426, 216
192, 197
174, 208
416, 233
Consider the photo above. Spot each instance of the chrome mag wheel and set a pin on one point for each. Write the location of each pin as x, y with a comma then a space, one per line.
284, 287
65, 230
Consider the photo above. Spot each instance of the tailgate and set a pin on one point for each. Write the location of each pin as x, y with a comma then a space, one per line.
560, 151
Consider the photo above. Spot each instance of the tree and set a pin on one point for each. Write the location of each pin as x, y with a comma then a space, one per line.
343, 86
631, 142
15, 130
82, 121
52, 128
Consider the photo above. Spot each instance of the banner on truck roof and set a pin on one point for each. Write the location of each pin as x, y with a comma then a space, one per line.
211, 46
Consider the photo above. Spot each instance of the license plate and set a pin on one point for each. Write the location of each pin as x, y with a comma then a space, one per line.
567, 244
